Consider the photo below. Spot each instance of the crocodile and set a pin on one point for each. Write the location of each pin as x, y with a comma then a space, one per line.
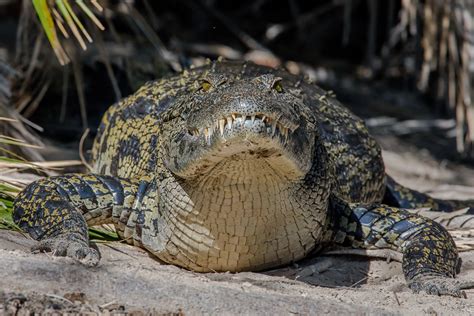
232, 166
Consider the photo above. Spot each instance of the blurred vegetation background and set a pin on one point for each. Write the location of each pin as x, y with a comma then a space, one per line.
403, 65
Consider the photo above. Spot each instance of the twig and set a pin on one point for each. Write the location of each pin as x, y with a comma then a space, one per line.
59, 298
358, 282
386, 254
396, 298
81, 150
151, 35
108, 66
244, 37
78, 78
65, 88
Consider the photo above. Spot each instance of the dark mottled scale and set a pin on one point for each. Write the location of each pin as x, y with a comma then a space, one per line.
427, 247
57, 205
42, 211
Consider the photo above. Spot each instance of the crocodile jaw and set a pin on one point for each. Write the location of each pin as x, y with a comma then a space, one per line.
250, 149
285, 146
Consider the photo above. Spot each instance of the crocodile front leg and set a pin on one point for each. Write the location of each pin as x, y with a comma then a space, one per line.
57, 211
430, 259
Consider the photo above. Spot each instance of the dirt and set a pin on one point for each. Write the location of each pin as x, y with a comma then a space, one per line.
128, 280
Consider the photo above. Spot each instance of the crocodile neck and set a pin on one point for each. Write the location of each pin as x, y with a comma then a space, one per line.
241, 215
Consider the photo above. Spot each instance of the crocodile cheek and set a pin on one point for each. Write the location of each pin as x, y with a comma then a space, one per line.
184, 157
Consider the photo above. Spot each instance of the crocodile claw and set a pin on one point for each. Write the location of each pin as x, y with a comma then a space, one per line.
440, 285
71, 245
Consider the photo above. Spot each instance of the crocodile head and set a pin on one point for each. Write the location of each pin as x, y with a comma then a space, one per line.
238, 118
245, 176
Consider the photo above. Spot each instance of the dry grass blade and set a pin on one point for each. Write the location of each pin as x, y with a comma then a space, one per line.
151, 35
15, 138
446, 44
104, 55
464, 239
65, 10
35, 102
97, 5
15, 182
40, 164
7, 119
91, 15
6, 186
78, 79
4, 139
60, 23
62, 13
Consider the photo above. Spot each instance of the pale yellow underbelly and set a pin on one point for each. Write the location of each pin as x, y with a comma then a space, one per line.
237, 225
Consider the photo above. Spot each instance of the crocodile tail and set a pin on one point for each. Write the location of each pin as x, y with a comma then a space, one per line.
453, 214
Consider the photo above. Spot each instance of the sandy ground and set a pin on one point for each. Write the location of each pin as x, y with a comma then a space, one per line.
129, 280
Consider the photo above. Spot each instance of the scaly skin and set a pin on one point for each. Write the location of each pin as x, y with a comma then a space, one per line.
234, 167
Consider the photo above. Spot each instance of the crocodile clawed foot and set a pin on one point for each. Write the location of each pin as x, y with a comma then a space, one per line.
71, 245
440, 285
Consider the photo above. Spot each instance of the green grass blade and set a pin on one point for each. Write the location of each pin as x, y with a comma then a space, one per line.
102, 235
6, 209
44, 14
6, 189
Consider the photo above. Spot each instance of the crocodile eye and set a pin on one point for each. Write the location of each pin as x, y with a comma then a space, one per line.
205, 85
277, 86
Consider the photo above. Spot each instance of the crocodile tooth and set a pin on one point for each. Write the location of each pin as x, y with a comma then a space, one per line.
244, 118
234, 116
221, 126
229, 123
264, 118
252, 118
206, 132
